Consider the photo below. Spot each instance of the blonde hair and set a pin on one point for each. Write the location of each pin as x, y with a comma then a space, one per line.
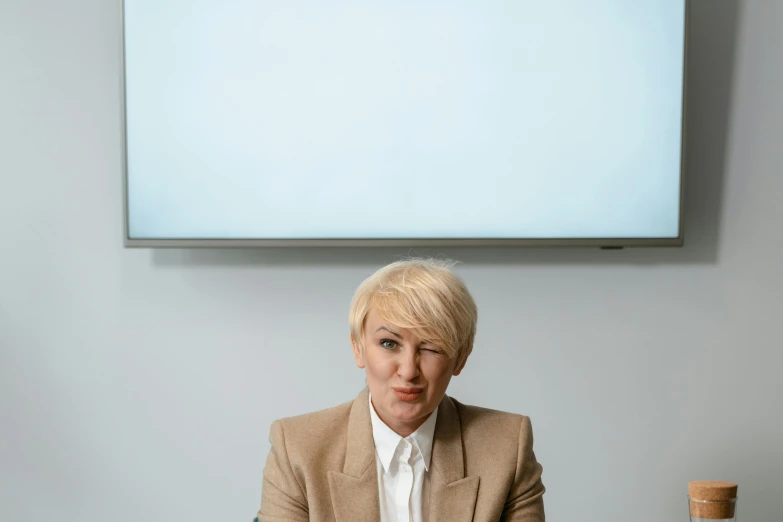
422, 295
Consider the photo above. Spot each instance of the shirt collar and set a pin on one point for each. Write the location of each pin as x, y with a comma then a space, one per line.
387, 440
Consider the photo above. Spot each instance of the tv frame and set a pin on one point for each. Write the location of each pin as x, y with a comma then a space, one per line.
130, 242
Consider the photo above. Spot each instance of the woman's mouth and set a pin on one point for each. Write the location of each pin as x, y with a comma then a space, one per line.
408, 394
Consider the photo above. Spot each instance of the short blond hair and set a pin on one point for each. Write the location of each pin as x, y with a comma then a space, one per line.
423, 295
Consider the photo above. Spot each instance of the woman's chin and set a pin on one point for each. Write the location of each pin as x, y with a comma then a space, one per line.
406, 412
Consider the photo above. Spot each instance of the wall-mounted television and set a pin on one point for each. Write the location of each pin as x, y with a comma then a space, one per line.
402, 123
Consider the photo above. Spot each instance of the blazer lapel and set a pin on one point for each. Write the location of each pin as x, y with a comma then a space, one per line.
452, 495
354, 492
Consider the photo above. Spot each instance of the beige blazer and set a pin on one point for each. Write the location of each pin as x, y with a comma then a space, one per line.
321, 467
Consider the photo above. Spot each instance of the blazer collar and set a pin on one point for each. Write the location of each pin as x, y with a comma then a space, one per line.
360, 453
447, 457
452, 494
354, 492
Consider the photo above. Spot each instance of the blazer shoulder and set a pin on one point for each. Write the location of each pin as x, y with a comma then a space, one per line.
320, 420
312, 434
481, 414
486, 423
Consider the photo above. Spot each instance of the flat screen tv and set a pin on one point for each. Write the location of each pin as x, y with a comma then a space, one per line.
404, 123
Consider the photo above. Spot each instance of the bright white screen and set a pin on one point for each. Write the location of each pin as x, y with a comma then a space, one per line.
404, 119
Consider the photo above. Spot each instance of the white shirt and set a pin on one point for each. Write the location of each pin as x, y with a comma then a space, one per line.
403, 469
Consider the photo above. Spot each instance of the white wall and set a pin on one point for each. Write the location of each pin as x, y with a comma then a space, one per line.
140, 385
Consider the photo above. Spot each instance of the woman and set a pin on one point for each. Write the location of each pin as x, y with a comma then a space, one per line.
403, 450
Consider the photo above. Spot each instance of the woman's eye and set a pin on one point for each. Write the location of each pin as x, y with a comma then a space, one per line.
431, 350
388, 344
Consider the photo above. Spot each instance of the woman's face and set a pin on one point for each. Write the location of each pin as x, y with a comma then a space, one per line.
407, 376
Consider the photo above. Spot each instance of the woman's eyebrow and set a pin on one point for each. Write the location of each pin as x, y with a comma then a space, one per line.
390, 331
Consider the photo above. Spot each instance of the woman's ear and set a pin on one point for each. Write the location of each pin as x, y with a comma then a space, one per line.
358, 351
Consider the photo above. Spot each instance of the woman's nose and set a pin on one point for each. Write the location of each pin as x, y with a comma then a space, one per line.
408, 368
